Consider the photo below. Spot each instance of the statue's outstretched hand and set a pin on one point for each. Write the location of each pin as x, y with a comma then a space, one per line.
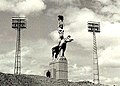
71, 40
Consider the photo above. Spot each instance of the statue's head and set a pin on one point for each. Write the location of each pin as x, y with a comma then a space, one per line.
60, 18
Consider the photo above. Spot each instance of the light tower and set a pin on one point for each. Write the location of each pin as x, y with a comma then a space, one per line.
18, 23
95, 27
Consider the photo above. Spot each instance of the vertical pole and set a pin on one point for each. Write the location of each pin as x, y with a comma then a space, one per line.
95, 60
17, 69
19, 51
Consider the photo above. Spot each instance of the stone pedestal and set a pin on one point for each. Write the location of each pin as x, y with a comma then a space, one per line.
59, 68
52, 69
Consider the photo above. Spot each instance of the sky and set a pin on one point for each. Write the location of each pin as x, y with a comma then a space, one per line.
41, 35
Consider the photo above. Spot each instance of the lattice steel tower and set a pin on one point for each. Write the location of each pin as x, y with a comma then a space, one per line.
95, 27
18, 23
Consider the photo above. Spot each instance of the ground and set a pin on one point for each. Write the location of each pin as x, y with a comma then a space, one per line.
35, 80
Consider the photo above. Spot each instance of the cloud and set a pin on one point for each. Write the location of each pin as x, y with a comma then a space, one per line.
110, 56
111, 9
109, 46
106, 2
35, 55
110, 81
59, 6
70, 2
6, 62
24, 7
79, 73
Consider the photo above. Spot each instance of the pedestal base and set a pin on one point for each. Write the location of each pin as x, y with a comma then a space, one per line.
59, 68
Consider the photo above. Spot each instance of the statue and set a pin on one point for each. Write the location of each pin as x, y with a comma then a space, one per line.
61, 47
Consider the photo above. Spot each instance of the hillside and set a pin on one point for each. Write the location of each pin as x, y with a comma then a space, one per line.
35, 80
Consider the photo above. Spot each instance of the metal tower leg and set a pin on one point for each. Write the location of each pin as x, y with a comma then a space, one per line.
95, 61
17, 69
